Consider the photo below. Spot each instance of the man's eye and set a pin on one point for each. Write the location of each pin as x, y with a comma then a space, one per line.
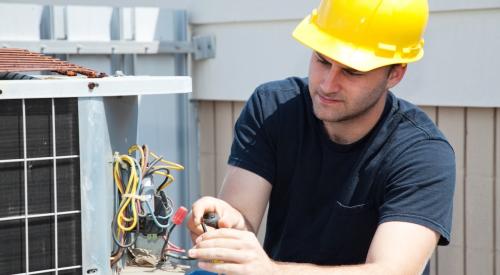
352, 73
323, 61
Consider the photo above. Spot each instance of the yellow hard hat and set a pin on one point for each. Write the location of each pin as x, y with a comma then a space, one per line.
366, 34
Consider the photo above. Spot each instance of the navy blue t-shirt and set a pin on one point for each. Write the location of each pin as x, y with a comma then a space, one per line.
327, 199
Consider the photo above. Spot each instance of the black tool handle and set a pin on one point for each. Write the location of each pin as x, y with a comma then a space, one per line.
211, 219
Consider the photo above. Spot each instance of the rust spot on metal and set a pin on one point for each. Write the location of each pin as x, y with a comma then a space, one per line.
20, 60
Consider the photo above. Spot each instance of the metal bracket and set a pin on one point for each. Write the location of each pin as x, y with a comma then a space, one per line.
204, 47
98, 47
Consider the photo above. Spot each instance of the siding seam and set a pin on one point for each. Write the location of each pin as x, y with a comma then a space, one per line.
494, 189
465, 191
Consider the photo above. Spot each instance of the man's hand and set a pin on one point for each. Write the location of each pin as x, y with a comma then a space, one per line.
239, 251
228, 216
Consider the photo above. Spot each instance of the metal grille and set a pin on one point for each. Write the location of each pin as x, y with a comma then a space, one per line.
40, 210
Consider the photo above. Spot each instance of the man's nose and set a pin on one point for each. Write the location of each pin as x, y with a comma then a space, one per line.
331, 81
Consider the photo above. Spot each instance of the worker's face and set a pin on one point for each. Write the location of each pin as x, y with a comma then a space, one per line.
340, 93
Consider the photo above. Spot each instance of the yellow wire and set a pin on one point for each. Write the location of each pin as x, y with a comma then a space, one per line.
134, 148
133, 184
169, 177
142, 157
172, 165
131, 188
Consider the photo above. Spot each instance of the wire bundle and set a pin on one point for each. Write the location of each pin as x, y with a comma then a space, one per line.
129, 175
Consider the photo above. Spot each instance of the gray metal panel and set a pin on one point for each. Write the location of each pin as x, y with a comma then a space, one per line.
122, 118
159, 127
96, 185
106, 125
167, 123
171, 4
20, 22
85, 23
189, 116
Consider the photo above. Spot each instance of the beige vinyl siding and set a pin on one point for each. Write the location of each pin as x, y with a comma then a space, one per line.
216, 121
451, 258
432, 113
479, 191
475, 247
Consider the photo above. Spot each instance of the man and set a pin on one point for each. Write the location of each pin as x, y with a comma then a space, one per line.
358, 181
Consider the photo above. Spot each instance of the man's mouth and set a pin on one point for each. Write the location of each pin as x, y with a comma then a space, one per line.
328, 100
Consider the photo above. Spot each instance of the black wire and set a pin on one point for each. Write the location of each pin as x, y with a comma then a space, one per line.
151, 171
165, 180
164, 251
165, 244
150, 165
179, 256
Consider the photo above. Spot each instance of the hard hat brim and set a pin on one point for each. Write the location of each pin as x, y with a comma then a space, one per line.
344, 52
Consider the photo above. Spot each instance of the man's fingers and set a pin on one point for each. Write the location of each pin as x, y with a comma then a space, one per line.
224, 224
202, 206
222, 268
193, 227
226, 233
219, 254
222, 243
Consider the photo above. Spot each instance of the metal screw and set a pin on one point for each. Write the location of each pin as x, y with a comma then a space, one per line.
91, 271
93, 85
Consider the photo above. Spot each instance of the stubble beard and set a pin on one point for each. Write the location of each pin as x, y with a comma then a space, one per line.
352, 111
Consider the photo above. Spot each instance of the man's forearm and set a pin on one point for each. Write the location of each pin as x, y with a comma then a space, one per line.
310, 269
249, 226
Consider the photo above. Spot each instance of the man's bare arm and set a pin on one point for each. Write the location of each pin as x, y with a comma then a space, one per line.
243, 200
248, 193
397, 248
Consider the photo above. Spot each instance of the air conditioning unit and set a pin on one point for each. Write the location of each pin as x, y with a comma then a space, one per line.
57, 139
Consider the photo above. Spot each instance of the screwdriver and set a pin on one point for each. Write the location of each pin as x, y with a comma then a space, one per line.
211, 219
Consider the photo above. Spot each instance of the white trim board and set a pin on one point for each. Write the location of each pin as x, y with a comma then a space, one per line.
57, 87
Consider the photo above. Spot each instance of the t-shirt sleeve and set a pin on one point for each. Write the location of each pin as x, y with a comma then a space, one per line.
420, 187
253, 148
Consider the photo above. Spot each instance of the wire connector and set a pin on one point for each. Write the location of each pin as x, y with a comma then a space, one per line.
134, 196
179, 215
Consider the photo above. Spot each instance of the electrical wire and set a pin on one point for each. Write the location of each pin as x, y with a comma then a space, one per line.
129, 196
128, 174
165, 251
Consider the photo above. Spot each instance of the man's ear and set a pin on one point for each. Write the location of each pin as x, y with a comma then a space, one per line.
396, 73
